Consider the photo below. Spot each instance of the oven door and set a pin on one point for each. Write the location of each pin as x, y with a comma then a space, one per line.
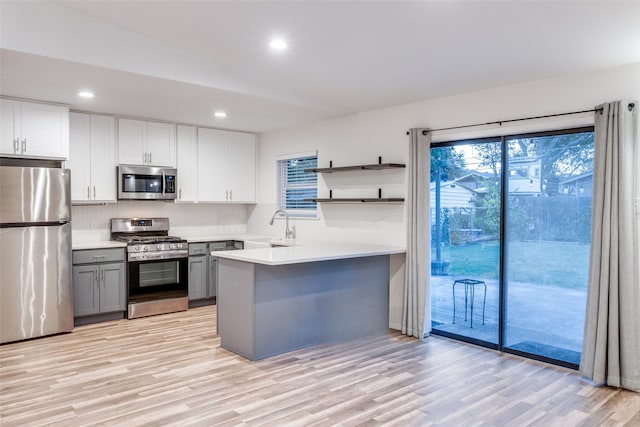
158, 279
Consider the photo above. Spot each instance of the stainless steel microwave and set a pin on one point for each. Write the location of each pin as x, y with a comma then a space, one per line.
146, 183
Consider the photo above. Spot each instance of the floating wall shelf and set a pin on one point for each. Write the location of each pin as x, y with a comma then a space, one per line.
375, 166
379, 199
356, 200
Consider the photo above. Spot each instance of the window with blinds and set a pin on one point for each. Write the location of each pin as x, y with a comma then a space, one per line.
295, 185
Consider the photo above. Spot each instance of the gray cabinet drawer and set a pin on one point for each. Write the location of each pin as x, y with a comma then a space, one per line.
92, 256
197, 249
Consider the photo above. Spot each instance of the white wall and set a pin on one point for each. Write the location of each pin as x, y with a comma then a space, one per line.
361, 138
91, 223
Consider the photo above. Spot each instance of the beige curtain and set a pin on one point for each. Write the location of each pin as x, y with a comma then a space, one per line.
416, 307
611, 346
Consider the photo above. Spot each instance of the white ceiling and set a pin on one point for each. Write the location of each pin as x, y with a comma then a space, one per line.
182, 60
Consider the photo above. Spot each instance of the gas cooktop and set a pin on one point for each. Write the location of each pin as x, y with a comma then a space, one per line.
136, 240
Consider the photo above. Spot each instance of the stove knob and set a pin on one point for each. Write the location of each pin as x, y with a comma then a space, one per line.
159, 247
137, 248
145, 248
172, 246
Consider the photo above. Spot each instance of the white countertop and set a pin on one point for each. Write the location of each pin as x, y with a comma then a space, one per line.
82, 241
220, 237
97, 244
308, 251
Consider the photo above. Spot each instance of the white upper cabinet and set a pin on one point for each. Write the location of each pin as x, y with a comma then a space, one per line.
187, 159
212, 180
34, 130
226, 166
161, 144
92, 158
241, 167
146, 143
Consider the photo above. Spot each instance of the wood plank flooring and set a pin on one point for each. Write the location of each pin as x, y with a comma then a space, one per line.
169, 371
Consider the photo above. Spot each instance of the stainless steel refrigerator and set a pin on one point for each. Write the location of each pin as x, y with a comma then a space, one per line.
36, 297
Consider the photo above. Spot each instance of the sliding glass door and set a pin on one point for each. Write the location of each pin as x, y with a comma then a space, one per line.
548, 229
465, 195
510, 241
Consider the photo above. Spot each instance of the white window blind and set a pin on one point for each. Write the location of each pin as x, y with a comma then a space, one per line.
295, 185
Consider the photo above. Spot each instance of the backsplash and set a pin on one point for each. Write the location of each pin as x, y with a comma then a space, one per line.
186, 220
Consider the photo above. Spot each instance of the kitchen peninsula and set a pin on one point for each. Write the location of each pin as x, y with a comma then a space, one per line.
274, 300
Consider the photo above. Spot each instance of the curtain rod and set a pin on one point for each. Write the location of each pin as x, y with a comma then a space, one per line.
593, 110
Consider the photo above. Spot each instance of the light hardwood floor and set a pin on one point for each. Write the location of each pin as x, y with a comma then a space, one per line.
170, 370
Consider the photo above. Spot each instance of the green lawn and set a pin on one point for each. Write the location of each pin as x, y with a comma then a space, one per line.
544, 263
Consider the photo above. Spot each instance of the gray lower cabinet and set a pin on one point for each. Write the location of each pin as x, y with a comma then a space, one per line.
203, 269
198, 272
98, 282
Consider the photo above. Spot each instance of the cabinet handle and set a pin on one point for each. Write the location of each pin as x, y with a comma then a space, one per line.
88, 192
96, 279
180, 194
103, 285
226, 194
150, 161
16, 145
144, 158
230, 194
24, 145
94, 192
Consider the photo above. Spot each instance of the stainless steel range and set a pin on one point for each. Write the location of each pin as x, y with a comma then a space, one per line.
157, 266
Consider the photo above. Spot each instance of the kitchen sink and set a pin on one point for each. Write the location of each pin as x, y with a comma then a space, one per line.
267, 243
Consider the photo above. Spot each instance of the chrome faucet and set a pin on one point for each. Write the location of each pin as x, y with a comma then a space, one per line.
288, 234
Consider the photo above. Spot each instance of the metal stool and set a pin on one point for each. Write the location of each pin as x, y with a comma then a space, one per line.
469, 294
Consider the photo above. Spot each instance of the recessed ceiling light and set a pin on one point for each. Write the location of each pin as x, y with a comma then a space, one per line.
220, 114
86, 94
277, 44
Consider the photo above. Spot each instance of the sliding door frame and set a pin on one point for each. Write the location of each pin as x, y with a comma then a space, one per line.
502, 280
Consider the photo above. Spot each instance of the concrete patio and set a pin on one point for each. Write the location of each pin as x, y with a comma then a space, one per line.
540, 319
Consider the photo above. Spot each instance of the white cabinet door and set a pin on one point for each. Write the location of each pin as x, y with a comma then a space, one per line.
9, 127
212, 159
103, 158
146, 143
187, 161
80, 156
92, 158
45, 130
241, 167
132, 136
161, 144
31, 129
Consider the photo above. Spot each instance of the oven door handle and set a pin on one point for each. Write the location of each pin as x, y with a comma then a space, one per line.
165, 256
